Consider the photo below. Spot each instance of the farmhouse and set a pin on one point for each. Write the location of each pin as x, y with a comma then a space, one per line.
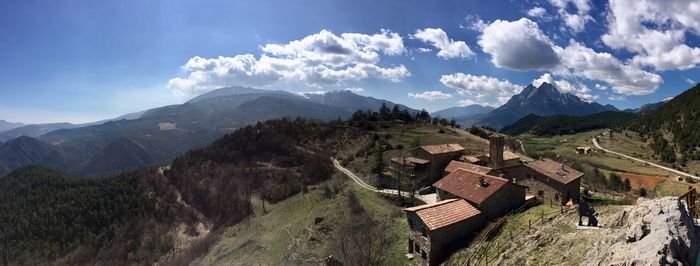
583, 150
547, 179
493, 196
435, 228
439, 156
410, 167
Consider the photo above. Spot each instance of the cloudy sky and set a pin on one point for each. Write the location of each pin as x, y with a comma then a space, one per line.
80, 61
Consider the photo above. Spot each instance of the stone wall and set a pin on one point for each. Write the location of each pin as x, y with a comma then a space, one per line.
415, 236
544, 186
506, 199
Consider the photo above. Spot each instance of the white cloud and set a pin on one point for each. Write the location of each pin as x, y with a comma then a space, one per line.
690, 81
581, 61
481, 88
475, 23
467, 102
576, 21
617, 98
306, 94
431, 95
355, 90
655, 30
565, 86
521, 45
424, 50
537, 12
601, 87
448, 48
518, 45
318, 59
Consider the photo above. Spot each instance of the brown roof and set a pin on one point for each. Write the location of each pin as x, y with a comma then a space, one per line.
507, 155
470, 159
454, 165
444, 213
465, 184
554, 170
442, 148
409, 160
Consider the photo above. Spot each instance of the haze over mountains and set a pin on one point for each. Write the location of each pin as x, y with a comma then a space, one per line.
160, 134
6, 125
462, 111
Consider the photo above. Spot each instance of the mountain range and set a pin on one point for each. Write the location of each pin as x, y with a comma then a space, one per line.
160, 134
6, 125
543, 100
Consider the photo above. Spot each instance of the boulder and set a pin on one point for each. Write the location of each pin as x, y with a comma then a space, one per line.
657, 232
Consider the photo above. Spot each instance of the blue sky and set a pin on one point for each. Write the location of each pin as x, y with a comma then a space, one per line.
81, 61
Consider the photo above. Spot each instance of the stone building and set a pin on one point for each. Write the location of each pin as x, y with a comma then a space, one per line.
583, 150
410, 167
547, 179
436, 228
497, 157
439, 156
493, 196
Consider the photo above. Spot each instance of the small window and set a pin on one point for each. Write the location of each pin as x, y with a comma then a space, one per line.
423, 255
417, 248
540, 193
424, 232
556, 196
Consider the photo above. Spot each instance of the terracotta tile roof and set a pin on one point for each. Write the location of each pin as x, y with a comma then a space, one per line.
454, 165
470, 159
409, 160
554, 170
507, 155
444, 213
465, 184
442, 148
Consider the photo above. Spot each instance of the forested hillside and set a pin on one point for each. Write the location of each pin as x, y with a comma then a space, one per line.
565, 124
170, 214
673, 128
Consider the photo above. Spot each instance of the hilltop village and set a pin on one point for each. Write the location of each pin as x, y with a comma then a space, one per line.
473, 190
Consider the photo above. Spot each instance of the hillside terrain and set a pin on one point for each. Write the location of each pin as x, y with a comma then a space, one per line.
672, 128
159, 135
176, 213
652, 232
565, 124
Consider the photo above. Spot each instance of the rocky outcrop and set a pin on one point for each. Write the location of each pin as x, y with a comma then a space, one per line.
654, 232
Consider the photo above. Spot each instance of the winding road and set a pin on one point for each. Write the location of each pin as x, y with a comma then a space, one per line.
595, 142
429, 198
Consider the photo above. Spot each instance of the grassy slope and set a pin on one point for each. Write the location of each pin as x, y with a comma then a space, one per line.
517, 223
426, 134
287, 235
627, 142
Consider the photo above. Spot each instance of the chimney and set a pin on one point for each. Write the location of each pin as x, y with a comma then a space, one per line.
496, 150
482, 182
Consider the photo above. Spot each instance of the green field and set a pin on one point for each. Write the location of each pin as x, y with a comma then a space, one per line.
626, 142
565, 145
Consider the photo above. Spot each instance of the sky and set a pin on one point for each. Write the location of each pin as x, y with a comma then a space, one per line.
82, 61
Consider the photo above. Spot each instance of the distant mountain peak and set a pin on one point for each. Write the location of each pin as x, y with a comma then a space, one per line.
543, 100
